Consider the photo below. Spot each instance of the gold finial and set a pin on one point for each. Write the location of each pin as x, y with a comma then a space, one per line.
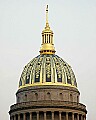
47, 14
47, 46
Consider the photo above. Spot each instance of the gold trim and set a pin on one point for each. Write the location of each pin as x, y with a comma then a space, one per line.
48, 83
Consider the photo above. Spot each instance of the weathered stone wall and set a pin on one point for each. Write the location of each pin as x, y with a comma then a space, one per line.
58, 93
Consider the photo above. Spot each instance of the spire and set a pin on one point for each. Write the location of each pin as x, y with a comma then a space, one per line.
47, 46
47, 14
47, 24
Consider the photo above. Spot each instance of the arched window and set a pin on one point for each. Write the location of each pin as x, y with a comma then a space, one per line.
36, 96
27, 79
71, 98
25, 97
48, 96
77, 99
18, 99
61, 96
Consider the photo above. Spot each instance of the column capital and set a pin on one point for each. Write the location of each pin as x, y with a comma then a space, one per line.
30, 112
60, 111
67, 112
52, 111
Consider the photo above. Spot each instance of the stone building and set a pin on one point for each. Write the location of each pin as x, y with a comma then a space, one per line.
47, 87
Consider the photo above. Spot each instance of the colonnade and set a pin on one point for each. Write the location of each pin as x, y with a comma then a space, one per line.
47, 38
60, 116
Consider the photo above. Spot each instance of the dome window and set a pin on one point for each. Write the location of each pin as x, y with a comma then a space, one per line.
48, 76
36, 96
49, 95
71, 98
59, 80
27, 79
61, 96
37, 80
25, 97
69, 80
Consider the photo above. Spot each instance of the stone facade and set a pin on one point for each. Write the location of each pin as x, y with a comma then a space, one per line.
48, 103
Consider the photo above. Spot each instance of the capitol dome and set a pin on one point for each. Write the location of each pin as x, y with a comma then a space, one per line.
47, 87
47, 69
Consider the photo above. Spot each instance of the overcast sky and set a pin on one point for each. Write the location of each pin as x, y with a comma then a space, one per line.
74, 25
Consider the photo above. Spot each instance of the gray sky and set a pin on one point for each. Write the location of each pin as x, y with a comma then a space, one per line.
74, 25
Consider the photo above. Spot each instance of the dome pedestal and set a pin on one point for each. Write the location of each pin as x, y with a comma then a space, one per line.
48, 103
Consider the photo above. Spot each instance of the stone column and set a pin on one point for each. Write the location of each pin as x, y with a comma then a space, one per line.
66, 115
14, 117
37, 115
59, 115
77, 116
84, 117
52, 115
44, 115
81, 117
18, 116
44, 38
31, 116
72, 116
24, 116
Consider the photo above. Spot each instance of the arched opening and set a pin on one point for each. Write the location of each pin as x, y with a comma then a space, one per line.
77, 99
27, 79
71, 98
25, 97
36, 96
61, 96
18, 99
48, 96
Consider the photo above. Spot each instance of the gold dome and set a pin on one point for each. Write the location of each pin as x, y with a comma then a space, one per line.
47, 68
